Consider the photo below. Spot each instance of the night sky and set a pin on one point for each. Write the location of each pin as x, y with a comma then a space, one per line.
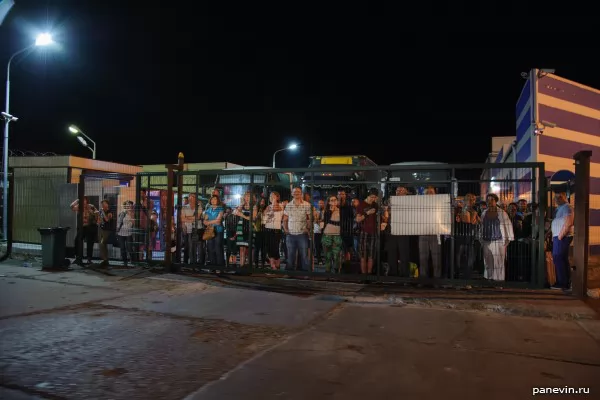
147, 82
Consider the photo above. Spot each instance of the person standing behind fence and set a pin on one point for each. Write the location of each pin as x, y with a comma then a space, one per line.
496, 234
331, 239
467, 220
430, 245
140, 233
88, 232
258, 228
366, 216
272, 219
318, 233
243, 228
192, 235
348, 218
398, 246
106, 230
562, 236
125, 223
212, 218
296, 220
230, 225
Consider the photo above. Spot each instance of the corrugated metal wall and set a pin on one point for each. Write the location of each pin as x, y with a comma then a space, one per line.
36, 201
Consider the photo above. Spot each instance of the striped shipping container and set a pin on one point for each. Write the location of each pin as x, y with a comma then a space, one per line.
575, 109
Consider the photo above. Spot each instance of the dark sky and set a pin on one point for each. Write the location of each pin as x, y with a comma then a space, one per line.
157, 78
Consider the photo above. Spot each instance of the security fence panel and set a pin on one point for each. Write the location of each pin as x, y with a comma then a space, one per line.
406, 222
150, 214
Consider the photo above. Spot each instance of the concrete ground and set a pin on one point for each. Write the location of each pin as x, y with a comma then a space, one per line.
80, 335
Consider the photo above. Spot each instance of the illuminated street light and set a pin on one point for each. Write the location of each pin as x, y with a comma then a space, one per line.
80, 136
292, 146
42, 40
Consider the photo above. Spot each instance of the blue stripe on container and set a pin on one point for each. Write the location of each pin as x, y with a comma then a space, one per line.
524, 152
523, 98
524, 125
499, 156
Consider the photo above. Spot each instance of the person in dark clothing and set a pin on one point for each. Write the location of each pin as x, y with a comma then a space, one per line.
398, 246
230, 223
88, 232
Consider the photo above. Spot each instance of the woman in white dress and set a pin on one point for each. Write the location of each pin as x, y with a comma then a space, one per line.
496, 234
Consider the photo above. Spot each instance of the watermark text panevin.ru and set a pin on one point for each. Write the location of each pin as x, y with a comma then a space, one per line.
559, 390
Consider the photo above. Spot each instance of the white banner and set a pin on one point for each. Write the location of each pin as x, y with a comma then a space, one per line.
421, 215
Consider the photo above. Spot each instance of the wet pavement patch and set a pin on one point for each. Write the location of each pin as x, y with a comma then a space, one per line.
124, 354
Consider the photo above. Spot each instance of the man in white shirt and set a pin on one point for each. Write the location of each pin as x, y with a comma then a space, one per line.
296, 223
562, 236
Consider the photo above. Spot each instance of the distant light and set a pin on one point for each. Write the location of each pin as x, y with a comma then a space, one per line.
237, 196
73, 129
44, 39
293, 146
82, 141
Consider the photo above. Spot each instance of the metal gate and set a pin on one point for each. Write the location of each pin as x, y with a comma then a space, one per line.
416, 237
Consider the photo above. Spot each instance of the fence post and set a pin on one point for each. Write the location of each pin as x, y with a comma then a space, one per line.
541, 225
582, 222
179, 177
453, 183
80, 197
136, 254
169, 229
148, 233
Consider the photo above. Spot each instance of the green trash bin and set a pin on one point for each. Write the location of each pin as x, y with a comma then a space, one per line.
54, 244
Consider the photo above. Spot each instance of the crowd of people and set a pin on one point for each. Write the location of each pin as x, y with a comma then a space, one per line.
340, 234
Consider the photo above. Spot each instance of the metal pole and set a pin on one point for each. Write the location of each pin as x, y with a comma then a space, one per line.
543, 206
582, 223
274, 154
5, 160
91, 141
5, 148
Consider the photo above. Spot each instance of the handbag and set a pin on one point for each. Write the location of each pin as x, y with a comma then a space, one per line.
209, 233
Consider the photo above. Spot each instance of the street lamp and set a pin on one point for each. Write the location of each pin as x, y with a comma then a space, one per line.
292, 146
44, 39
76, 131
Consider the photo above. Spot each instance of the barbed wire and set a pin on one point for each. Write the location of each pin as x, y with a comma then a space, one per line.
28, 153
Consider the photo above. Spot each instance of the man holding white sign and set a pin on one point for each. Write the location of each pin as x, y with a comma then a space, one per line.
398, 245
430, 244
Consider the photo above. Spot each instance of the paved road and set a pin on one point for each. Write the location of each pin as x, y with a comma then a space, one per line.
165, 339
87, 337
413, 353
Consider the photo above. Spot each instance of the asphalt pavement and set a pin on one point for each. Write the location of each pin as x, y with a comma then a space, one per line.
84, 335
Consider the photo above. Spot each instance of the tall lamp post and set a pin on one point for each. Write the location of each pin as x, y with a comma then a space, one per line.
292, 146
76, 131
43, 39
